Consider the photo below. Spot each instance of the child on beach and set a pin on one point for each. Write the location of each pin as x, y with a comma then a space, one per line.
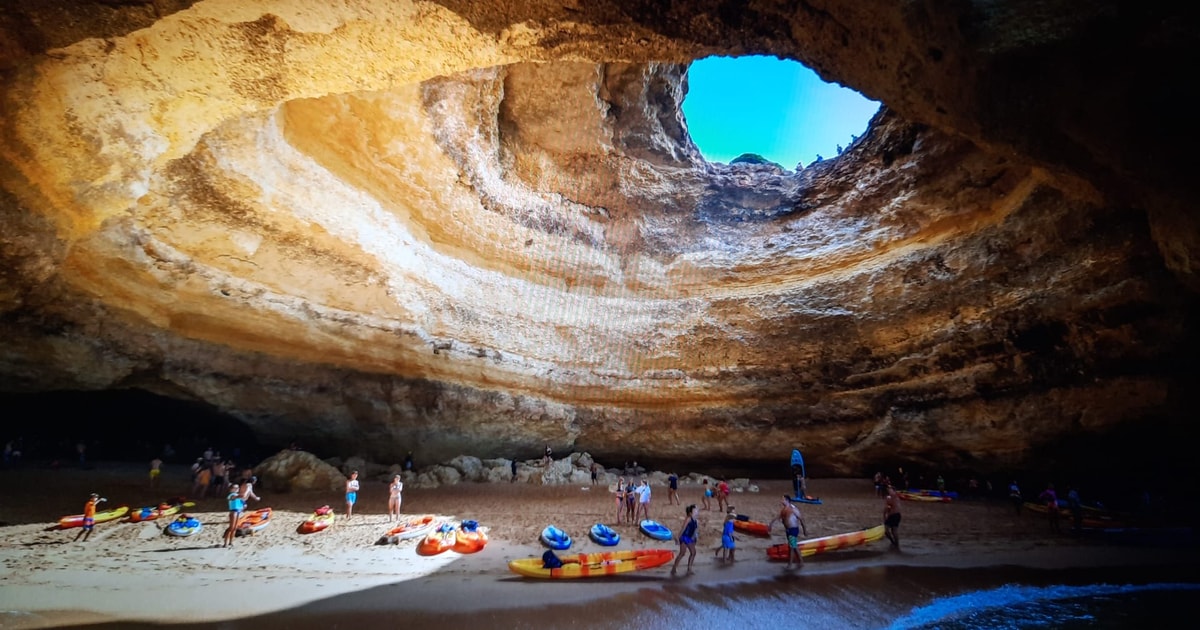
704, 496
722, 495
351, 492
727, 548
89, 516
155, 471
687, 539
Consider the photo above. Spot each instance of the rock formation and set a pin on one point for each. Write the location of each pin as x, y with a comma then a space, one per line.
467, 227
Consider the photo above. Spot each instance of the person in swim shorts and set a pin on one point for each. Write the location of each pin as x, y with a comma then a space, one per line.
237, 505
351, 492
155, 471
793, 523
891, 516
89, 516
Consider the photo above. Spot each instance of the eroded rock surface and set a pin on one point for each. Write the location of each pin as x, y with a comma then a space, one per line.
380, 226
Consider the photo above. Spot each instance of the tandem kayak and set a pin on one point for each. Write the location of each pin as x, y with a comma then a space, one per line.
828, 543
593, 564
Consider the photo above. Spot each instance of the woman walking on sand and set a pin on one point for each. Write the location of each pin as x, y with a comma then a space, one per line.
687, 540
394, 490
236, 506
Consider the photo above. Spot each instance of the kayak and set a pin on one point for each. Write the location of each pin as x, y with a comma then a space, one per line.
753, 528
469, 538
76, 520
184, 525
253, 522
604, 535
1091, 519
828, 543
320, 519
909, 496
655, 530
593, 564
439, 539
555, 538
932, 493
150, 513
806, 499
412, 527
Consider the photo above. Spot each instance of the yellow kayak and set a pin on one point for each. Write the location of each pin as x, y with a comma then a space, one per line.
583, 565
76, 520
828, 543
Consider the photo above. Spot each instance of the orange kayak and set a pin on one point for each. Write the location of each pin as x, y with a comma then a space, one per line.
469, 541
412, 527
754, 528
320, 519
252, 522
914, 496
441, 539
828, 543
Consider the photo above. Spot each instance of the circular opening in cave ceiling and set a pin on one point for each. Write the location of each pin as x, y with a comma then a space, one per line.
774, 108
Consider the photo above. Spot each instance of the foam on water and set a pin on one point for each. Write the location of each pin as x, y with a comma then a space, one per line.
1015, 606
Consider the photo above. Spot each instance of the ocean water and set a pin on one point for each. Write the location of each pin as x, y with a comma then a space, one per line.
883, 598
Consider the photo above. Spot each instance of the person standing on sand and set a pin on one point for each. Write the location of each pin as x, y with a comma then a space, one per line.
704, 496
673, 489
727, 548
620, 498
687, 539
351, 493
792, 521
155, 471
643, 507
631, 497
595, 472
513, 467
1014, 496
891, 516
722, 495
547, 457
237, 505
1049, 498
89, 517
200, 487
394, 490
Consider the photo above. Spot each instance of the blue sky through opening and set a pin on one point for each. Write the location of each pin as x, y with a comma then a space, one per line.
778, 109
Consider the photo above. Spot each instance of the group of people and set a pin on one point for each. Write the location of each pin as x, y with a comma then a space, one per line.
633, 500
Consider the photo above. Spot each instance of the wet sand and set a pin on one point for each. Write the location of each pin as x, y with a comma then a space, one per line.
132, 572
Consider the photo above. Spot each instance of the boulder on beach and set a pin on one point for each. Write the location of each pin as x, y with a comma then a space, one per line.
298, 471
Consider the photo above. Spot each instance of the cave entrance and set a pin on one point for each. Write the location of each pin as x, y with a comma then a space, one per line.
121, 425
774, 108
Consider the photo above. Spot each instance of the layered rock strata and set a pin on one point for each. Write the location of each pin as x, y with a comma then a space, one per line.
380, 226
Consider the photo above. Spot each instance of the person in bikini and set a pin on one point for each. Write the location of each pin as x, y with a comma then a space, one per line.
394, 499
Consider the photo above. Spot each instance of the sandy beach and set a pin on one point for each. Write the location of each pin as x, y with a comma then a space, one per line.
133, 572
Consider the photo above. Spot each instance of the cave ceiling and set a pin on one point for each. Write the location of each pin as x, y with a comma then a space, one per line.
467, 227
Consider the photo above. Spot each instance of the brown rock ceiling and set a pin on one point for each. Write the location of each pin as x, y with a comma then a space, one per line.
475, 227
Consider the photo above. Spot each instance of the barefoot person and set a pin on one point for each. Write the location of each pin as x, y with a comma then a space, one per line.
394, 490
236, 506
155, 471
620, 498
793, 522
351, 493
891, 516
89, 516
673, 489
727, 548
687, 540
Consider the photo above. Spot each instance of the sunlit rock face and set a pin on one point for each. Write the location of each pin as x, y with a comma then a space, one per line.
438, 226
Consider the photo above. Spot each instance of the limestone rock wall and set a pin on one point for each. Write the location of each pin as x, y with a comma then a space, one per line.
472, 228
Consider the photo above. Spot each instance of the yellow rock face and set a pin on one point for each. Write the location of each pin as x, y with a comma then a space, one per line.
382, 226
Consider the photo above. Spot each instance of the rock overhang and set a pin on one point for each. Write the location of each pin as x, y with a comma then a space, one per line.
384, 223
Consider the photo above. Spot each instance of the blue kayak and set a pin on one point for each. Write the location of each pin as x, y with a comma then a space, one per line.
655, 530
555, 538
183, 526
604, 535
805, 499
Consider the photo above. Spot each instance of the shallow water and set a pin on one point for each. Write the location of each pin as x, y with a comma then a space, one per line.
887, 598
